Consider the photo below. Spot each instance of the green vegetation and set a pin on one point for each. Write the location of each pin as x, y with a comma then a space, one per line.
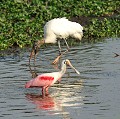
22, 21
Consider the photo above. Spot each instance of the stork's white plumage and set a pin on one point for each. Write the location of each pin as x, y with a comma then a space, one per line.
61, 28
56, 29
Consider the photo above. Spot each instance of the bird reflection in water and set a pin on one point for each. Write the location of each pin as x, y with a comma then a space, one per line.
55, 103
33, 71
48, 104
44, 103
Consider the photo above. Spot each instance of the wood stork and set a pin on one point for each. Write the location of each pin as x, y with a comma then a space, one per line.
58, 29
48, 79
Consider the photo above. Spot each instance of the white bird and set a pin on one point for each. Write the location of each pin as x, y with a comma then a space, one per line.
55, 30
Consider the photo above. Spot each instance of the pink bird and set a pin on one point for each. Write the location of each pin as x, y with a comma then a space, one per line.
48, 79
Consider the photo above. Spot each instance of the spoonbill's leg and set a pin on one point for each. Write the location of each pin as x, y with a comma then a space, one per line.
43, 92
46, 90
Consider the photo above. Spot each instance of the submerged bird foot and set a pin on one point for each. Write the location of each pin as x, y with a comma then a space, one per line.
58, 57
56, 60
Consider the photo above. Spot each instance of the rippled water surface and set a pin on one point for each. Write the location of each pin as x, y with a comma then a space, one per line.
94, 94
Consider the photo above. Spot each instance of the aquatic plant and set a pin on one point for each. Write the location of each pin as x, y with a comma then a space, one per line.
22, 21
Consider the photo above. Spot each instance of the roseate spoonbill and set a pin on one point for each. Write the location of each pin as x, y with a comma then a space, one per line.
48, 79
55, 30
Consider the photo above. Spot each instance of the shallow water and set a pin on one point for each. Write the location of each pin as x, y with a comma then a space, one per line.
94, 94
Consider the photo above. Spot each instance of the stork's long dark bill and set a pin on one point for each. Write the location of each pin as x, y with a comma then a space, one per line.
68, 63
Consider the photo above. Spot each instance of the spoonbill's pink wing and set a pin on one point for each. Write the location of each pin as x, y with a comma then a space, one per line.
40, 81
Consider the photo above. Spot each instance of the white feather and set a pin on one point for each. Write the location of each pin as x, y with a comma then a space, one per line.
61, 28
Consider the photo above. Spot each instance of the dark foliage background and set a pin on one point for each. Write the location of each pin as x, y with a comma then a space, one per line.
22, 21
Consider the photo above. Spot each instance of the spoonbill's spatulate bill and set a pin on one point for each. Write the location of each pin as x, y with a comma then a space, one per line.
58, 29
48, 79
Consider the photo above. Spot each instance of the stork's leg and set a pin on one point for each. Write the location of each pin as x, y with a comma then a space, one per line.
58, 57
67, 44
59, 47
